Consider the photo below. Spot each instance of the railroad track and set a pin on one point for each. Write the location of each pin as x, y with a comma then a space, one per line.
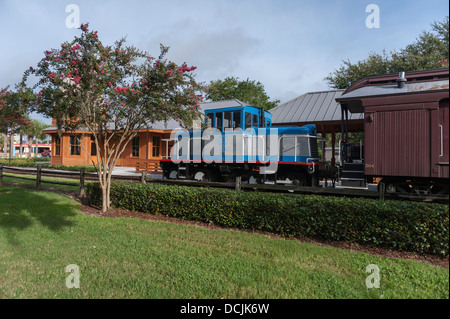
280, 188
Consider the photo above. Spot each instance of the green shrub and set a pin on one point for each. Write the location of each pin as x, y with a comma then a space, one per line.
402, 225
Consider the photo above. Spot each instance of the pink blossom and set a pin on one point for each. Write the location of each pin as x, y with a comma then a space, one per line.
73, 63
52, 75
84, 27
77, 79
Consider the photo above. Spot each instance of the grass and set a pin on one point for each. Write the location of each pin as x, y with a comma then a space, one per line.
41, 233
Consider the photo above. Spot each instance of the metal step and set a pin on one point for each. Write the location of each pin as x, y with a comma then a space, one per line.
352, 174
353, 182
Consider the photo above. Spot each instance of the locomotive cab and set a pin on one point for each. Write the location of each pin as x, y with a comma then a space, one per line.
233, 118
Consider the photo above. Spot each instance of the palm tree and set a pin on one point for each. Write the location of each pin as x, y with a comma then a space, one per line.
32, 132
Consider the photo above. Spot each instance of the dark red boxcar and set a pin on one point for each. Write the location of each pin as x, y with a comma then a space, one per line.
406, 126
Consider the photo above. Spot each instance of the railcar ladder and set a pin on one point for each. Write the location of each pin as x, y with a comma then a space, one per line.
352, 175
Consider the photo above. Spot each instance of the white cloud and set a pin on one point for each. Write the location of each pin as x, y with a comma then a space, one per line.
216, 53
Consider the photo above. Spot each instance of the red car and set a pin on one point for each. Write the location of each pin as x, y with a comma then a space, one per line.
46, 153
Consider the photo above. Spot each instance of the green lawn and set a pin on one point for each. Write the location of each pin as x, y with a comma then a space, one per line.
42, 232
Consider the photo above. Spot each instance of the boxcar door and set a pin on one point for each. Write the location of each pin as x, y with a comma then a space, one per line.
399, 143
443, 139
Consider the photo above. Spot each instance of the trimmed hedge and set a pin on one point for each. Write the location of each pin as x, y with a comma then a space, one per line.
34, 162
402, 225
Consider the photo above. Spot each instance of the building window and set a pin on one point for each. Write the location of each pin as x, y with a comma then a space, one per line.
93, 147
135, 147
156, 146
57, 145
75, 146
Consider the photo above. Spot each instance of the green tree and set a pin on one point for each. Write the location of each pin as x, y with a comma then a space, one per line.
111, 92
248, 91
13, 109
429, 51
34, 131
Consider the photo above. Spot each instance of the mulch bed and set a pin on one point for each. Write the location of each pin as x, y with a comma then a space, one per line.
118, 212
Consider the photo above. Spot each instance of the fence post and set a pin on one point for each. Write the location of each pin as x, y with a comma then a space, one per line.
38, 177
82, 176
1, 173
381, 190
143, 174
238, 183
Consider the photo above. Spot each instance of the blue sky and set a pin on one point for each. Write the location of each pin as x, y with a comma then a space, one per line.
288, 45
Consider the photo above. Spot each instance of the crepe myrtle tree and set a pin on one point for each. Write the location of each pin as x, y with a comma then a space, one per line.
13, 111
111, 92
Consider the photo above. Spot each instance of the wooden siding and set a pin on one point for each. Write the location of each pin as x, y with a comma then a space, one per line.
127, 159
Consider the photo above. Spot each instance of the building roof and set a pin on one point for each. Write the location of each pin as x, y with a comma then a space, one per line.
221, 104
312, 107
393, 89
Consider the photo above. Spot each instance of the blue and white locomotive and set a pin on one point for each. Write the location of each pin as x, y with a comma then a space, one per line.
241, 141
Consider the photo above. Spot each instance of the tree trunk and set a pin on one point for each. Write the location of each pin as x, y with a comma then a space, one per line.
108, 192
12, 149
30, 146
36, 148
104, 199
20, 147
5, 144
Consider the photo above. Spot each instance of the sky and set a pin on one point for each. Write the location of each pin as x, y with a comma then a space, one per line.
289, 46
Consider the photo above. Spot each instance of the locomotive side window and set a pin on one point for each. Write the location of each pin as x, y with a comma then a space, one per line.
219, 121
227, 120
303, 146
255, 120
209, 119
288, 146
248, 120
294, 146
236, 119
